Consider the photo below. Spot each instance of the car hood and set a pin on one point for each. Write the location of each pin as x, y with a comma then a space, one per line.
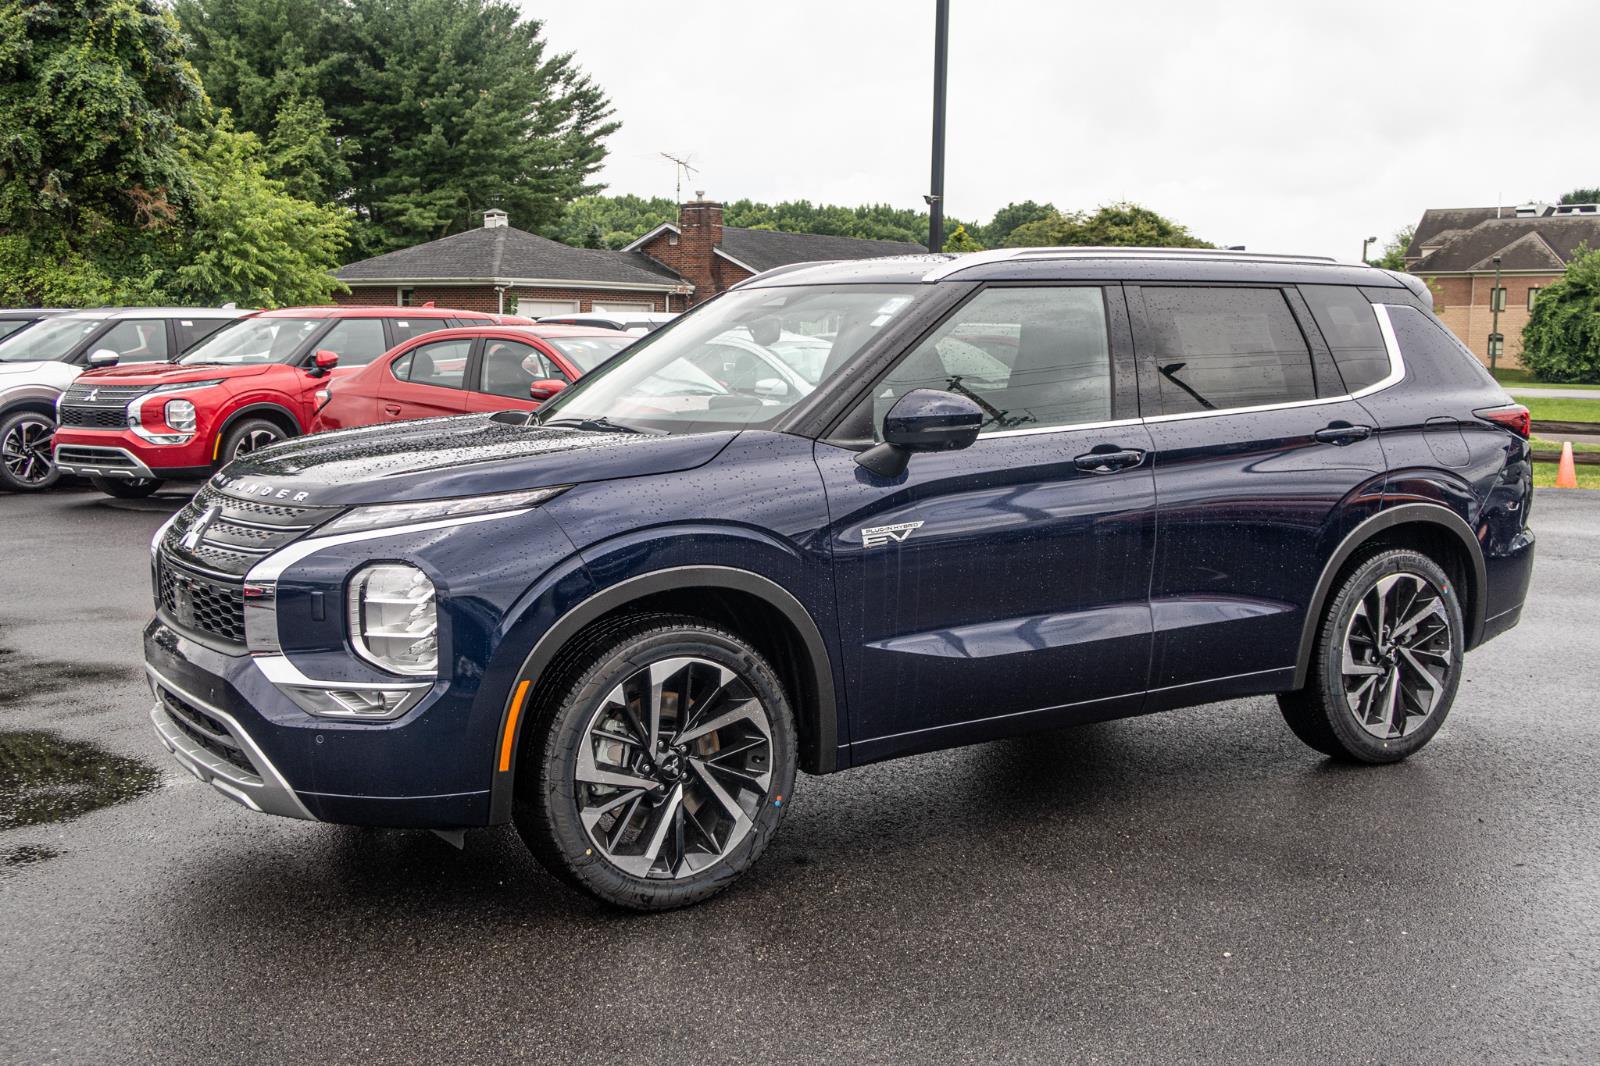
463, 455
170, 373
7, 369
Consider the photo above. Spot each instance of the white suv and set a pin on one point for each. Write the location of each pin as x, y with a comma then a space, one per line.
38, 363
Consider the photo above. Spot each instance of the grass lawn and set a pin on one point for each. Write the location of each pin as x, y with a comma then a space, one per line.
1562, 410
1524, 380
1542, 445
1544, 476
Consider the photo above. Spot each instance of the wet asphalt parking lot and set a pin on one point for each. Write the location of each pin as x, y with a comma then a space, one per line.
1185, 887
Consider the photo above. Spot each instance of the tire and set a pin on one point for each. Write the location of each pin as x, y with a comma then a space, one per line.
26, 461
1390, 695
249, 435
126, 488
677, 841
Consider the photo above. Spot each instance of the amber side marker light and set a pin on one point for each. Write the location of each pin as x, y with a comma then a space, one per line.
510, 735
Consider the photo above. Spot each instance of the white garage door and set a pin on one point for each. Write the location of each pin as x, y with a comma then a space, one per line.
613, 306
536, 308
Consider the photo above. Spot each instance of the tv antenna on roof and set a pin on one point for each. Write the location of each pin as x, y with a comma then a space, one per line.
683, 171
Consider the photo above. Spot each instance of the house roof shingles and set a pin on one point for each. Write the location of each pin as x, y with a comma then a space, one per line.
763, 249
506, 253
1543, 244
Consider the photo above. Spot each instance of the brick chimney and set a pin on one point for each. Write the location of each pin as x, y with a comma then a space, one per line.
699, 235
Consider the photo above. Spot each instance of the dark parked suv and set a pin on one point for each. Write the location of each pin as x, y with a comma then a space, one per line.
1030, 488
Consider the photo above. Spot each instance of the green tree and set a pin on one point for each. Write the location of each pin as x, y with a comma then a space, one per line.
961, 241
440, 108
1561, 341
1581, 196
1393, 256
304, 154
1112, 225
1009, 217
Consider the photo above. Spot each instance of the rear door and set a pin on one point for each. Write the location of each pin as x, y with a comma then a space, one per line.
1262, 464
1003, 586
428, 380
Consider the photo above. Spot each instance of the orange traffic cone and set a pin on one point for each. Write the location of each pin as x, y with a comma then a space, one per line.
1567, 472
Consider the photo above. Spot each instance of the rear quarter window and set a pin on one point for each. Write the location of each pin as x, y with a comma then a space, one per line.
1350, 326
1431, 349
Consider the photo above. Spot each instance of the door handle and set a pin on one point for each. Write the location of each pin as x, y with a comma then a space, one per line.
391, 409
1108, 462
1342, 433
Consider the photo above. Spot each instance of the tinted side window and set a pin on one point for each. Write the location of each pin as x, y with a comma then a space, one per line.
1428, 346
1350, 327
1216, 349
9, 326
142, 340
192, 331
357, 340
406, 328
509, 367
1032, 358
443, 364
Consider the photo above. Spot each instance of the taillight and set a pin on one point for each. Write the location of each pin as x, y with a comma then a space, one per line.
1512, 416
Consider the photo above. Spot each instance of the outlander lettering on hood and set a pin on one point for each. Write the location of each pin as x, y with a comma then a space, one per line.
242, 487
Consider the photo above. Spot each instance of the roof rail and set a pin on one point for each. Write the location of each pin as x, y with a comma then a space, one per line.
1006, 255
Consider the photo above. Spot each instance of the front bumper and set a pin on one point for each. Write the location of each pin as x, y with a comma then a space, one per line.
121, 454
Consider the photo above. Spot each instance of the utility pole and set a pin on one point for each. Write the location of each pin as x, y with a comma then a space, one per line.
935, 197
1496, 298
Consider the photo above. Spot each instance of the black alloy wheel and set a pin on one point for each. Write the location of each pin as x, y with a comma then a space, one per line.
26, 460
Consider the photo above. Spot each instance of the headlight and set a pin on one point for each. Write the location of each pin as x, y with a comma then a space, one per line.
180, 415
400, 514
184, 386
394, 619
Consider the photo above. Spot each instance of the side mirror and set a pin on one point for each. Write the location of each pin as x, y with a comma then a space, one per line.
776, 388
104, 357
545, 388
923, 420
323, 361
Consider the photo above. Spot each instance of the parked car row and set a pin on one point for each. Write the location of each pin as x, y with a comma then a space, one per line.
133, 397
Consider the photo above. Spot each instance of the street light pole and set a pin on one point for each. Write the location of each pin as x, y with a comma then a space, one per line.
935, 197
1364, 242
1495, 339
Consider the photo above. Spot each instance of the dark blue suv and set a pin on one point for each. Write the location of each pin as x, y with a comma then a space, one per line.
846, 512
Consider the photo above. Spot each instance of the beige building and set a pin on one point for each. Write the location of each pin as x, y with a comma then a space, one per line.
1455, 248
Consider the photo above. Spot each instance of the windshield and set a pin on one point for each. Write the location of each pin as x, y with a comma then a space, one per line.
256, 340
740, 361
587, 353
53, 340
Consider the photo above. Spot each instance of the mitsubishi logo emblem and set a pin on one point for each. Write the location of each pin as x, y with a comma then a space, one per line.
191, 539
91, 397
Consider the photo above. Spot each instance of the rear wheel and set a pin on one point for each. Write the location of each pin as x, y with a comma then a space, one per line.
26, 462
126, 488
248, 436
659, 768
1386, 664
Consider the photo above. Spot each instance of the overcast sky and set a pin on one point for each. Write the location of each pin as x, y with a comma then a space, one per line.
1287, 126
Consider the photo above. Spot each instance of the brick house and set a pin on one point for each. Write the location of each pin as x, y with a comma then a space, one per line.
671, 268
1454, 250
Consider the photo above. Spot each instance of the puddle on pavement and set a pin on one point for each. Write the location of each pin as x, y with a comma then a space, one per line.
24, 678
45, 778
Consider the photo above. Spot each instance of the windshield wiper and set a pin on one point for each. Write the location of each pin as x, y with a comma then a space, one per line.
600, 424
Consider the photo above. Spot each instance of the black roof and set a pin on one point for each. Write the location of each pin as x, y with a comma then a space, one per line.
1535, 243
763, 249
502, 252
1437, 224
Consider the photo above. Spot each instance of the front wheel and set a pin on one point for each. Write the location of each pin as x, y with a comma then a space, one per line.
136, 488
248, 436
26, 464
658, 765
1386, 664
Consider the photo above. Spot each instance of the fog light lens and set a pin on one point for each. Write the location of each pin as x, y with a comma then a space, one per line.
394, 619
180, 415
367, 703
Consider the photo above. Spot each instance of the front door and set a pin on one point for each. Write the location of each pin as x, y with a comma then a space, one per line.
1261, 467
1005, 586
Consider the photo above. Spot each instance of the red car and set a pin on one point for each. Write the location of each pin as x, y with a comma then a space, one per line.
457, 371
128, 428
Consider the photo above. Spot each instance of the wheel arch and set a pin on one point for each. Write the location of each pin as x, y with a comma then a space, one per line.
758, 608
272, 412
1432, 529
40, 399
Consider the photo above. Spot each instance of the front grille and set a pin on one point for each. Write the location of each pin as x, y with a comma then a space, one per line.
206, 731
78, 417
200, 603
236, 533
91, 395
76, 455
